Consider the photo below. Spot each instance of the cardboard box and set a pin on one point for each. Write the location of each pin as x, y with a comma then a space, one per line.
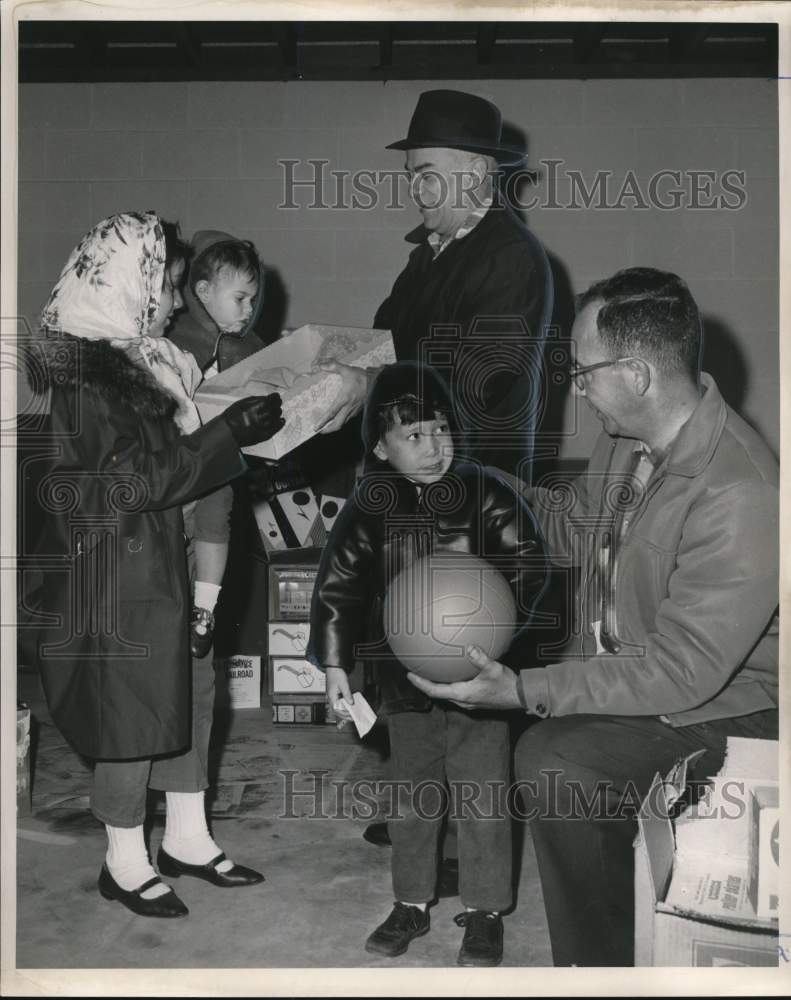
288, 638
692, 875
302, 713
242, 680
764, 851
286, 367
23, 789
293, 675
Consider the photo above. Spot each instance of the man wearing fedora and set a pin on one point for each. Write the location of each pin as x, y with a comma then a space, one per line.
475, 297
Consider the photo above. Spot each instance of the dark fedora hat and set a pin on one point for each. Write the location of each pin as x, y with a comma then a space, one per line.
451, 119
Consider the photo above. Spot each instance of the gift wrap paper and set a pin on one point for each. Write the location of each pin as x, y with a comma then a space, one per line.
288, 367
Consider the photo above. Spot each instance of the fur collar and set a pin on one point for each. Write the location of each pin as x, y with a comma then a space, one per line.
72, 362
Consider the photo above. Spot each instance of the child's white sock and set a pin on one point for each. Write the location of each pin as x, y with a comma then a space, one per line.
471, 909
127, 860
420, 906
206, 595
187, 836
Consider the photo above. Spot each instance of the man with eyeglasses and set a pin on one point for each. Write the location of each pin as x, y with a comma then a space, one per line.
674, 527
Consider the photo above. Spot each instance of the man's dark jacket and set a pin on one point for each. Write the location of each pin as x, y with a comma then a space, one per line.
385, 527
478, 313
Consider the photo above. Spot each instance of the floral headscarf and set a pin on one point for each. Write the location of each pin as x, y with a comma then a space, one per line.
110, 290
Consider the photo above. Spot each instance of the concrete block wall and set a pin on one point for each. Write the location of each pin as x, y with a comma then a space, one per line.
206, 154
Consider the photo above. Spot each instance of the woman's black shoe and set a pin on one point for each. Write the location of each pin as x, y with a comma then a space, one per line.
232, 879
201, 632
168, 905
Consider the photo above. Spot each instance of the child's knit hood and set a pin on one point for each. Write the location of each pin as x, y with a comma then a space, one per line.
405, 378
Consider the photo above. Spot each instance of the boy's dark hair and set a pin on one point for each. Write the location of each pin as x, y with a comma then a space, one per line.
650, 314
404, 393
237, 255
175, 247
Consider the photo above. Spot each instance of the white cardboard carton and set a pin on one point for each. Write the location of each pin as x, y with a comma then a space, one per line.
243, 679
764, 853
692, 877
288, 367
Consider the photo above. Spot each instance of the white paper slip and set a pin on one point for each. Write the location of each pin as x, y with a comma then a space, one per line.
361, 712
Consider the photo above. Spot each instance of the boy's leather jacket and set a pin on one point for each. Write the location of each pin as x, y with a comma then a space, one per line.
388, 524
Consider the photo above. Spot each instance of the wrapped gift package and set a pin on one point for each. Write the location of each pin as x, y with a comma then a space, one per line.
289, 367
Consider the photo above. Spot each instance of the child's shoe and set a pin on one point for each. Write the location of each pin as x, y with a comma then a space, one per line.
393, 936
201, 632
483, 938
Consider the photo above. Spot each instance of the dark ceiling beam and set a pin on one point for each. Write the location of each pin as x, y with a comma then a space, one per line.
189, 45
91, 46
386, 47
686, 40
289, 43
507, 50
486, 41
586, 40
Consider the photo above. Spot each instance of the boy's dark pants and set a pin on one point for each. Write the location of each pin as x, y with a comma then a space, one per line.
471, 752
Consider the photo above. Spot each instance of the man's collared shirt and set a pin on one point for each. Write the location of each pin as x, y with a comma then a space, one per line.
438, 244
533, 683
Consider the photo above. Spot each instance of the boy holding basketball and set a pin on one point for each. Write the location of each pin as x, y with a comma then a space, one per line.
414, 501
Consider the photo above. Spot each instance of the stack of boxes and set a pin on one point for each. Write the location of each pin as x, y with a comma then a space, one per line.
294, 525
296, 686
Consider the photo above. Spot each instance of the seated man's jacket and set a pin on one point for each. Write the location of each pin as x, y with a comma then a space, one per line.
386, 526
693, 591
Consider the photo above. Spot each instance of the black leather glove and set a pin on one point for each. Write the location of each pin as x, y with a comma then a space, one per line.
254, 419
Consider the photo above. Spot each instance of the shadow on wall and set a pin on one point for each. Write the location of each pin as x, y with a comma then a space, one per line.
273, 315
516, 175
725, 360
555, 384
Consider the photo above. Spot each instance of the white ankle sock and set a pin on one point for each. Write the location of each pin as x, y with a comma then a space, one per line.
495, 913
127, 860
187, 836
206, 595
419, 906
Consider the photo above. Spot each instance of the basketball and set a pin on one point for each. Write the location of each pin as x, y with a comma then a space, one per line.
442, 603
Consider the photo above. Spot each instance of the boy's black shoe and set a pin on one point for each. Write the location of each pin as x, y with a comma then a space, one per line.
201, 632
393, 936
483, 938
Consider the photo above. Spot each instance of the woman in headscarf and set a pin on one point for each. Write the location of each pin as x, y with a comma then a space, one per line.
125, 450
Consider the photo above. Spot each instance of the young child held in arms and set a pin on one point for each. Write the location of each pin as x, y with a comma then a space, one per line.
415, 500
224, 297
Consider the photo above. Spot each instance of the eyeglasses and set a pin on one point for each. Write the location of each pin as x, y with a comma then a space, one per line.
577, 373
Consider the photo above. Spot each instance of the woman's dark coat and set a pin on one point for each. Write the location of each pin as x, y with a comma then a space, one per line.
113, 474
385, 527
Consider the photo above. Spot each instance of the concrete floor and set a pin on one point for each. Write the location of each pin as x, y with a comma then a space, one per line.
325, 887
